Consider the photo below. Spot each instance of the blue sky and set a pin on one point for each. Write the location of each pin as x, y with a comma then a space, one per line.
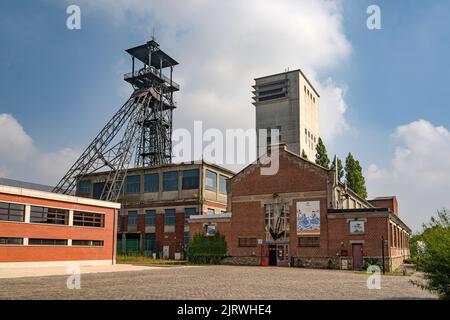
61, 86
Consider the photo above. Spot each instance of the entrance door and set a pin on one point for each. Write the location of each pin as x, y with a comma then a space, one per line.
283, 255
357, 256
166, 250
272, 255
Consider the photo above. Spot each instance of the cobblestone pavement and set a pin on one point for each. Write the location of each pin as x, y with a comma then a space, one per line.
214, 282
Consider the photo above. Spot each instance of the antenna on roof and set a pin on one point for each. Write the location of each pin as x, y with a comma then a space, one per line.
153, 34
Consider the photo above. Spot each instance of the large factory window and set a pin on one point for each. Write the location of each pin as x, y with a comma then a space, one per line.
222, 184
150, 217
49, 215
169, 217
88, 219
151, 182
12, 212
191, 179
170, 181
133, 184
211, 180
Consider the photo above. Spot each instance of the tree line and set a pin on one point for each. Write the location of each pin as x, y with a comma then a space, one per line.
352, 171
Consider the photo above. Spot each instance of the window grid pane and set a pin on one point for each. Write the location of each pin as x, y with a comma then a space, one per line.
88, 219
222, 184
132, 218
188, 212
170, 181
49, 215
133, 184
150, 217
151, 182
211, 180
169, 217
191, 179
12, 212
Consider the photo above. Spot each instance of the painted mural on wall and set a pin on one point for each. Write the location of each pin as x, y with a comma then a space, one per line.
308, 217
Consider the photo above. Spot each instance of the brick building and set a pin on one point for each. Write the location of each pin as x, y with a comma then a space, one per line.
302, 216
158, 201
46, 229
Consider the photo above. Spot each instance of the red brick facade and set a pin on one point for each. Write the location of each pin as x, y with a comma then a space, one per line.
25, 230
298, 180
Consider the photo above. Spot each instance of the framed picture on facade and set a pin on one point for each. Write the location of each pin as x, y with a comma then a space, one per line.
308, 218
210, 229
356, 227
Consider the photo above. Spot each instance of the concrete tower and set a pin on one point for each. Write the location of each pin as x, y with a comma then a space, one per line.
288, 102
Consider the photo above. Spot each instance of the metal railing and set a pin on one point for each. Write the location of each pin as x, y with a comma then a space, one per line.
153, 71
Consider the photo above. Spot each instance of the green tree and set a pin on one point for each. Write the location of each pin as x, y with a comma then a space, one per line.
205, 249
434, 259
321, 155
340, 168
354, 176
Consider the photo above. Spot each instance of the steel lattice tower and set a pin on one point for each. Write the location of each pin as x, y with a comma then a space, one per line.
145, 122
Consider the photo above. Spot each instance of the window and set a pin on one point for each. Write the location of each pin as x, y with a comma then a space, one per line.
191, 179
133, 184
84, 187
309, 241
247, 242
222, 184
12, 212
188, 212
47, 242
132, 218
170, 181
150, 243
186, 239
88, 243
151, 182
11, 241
211, 211
211, 180
88, 219
49, 215
97, 190
271, 97
150, 217
169, 217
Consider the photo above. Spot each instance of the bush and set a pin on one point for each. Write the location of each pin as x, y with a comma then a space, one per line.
433, 256
207, 249
372, 262
435, 261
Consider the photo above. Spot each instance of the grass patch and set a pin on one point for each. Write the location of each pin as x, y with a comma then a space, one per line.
142, 260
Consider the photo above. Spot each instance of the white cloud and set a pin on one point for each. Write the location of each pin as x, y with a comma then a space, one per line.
332, 110
419, 172
374, 173
21, 159
223, 45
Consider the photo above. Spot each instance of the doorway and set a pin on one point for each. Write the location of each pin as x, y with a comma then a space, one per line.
272, 255
357, 253
166, 251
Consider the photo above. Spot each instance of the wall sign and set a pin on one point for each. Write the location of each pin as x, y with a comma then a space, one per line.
210, 229
356, 227
308, 218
